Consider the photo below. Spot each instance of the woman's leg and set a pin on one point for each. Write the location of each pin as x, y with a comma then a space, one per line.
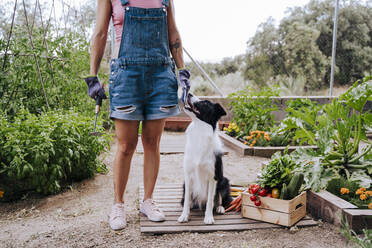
151, 134
127, 134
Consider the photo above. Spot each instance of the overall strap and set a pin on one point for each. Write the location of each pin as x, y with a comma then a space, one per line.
165, 3
124, 2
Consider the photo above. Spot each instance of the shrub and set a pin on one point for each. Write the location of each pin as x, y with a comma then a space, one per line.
46, 152
252, 109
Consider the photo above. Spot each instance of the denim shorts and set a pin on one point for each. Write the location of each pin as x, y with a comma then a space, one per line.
142, 91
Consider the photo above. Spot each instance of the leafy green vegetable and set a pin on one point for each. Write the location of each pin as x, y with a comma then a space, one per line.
277, 171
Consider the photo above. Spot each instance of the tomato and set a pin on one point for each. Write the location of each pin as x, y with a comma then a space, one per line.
257, 203
253, 198
275, 193
254, 185
263, 192
250, 191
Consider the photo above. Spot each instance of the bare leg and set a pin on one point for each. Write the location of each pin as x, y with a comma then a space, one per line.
151, 134
127, 133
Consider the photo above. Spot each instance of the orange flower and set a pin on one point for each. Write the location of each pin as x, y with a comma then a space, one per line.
358, 192
370, 205
345, 191
363, 197
363, 189
369, 193
254, 142
245, 143
1, 194
251, 145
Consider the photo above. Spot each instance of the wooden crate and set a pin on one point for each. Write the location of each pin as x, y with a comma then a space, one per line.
276, 211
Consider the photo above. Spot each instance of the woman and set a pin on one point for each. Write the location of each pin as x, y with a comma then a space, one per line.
143, 87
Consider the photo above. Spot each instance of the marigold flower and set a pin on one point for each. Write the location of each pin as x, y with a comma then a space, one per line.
251, 145
370, 205
358, 192
245, 143
363, 189
363, 197
345, 191
1, 194
369, 193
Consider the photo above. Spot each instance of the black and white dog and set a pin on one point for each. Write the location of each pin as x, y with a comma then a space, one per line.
205, 186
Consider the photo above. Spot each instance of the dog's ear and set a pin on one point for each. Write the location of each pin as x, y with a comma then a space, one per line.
219, 110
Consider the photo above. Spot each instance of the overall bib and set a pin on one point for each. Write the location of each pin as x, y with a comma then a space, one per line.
143, 85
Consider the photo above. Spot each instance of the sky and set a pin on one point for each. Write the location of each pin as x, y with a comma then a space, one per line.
214, 29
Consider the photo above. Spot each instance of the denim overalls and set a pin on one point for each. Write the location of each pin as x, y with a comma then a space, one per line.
143, 85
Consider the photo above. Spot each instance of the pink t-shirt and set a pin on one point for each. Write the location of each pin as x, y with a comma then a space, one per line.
118, 12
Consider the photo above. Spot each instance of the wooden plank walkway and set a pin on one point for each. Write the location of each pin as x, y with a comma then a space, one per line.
168, 198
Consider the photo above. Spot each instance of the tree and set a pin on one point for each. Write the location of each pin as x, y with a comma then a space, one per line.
302, 45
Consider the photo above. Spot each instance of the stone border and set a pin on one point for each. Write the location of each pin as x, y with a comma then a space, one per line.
259, 151
331, 208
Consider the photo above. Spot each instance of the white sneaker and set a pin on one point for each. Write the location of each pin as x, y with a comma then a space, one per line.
117, 216
152, 211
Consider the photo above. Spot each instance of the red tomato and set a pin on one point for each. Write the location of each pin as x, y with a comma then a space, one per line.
263, 192
253, 198
257, 203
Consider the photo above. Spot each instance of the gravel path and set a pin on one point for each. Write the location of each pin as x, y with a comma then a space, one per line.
78, 216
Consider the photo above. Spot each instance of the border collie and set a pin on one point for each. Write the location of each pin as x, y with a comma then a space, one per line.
205, 186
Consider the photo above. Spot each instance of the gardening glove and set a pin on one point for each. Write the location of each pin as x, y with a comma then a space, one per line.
94, 88
184, 76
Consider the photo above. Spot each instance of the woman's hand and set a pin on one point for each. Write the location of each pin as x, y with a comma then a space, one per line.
184, 76
94, 88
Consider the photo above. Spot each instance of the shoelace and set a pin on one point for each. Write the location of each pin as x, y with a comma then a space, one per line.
117, 212
154, 207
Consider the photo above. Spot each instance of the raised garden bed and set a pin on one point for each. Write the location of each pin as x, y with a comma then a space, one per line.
331, 208
260, 151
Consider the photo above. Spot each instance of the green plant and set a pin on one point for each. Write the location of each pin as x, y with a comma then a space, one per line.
362, 241
252, 110
47, 151
337, 131
277, 171
348, 190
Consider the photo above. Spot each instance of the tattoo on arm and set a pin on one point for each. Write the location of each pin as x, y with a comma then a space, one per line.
176, 45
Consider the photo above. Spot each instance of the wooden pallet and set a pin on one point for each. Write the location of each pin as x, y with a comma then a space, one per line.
168, 197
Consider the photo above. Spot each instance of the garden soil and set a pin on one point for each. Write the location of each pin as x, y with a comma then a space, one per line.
78, 217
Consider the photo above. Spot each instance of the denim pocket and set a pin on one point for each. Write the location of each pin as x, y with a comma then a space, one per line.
146, 32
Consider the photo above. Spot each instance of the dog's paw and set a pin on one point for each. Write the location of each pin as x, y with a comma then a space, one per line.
220, 210
208, 220
183, 218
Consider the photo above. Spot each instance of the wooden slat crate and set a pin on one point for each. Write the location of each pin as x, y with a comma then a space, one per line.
168, 198
276, 211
